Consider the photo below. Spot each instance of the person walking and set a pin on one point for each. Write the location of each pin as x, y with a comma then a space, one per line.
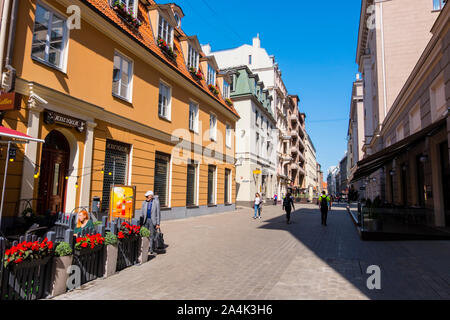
151, 216
288, 205
257, 206
275, 199
324, 205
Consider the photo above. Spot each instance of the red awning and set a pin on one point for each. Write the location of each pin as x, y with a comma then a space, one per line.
13, 134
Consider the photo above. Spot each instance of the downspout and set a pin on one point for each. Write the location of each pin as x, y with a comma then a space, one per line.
6, 5
11, 38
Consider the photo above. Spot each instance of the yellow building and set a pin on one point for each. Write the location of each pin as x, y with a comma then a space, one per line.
114, 103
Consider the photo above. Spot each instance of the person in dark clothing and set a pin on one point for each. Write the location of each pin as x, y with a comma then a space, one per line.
324, 205
288, 205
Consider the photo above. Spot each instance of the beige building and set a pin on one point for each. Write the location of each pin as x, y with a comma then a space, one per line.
407, 159
311, 167
297, 132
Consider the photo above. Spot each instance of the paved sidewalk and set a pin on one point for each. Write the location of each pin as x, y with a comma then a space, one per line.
232, 256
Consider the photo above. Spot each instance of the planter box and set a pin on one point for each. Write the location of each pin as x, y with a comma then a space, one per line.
372, 225
110, 260
143, 255
91, 263
60, 275
28, 280
128, 252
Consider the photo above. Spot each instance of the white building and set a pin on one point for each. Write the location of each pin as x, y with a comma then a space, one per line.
311, 177
261, 63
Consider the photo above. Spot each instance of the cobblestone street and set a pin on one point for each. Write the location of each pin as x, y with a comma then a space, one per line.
232, 256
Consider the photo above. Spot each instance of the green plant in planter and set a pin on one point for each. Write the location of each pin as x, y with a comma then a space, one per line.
63, 249
145, 233
97, 223
111, 239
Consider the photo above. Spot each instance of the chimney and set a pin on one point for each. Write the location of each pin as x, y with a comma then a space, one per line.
256, 42
358, 77
206, 49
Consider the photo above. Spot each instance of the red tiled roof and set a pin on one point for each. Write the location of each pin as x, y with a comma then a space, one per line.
144, 35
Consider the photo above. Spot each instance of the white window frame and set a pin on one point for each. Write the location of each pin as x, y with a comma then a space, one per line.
168, 114
167, 33
127, 3
66, 35
193, 106
438, 5
226, 89
212, 130
130, 76
211, 79
228, 135
192, 58
413, 115
436, 110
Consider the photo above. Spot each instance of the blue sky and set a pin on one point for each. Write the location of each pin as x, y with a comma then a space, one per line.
314, 43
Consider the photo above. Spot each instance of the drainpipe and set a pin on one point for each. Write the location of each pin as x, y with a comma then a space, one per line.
11, 38
6, 5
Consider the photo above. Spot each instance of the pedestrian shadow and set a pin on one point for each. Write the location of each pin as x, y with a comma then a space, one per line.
332, 244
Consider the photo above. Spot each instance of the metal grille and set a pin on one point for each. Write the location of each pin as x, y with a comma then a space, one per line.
116, 163
191, 186
162, 177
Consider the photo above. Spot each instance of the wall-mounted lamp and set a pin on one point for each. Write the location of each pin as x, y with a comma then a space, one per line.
392, 172
404, 167
423, 158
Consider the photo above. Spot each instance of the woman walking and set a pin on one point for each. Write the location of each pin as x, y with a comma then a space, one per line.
288, 204
257, 206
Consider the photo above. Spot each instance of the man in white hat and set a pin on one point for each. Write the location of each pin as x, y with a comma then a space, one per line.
151, 216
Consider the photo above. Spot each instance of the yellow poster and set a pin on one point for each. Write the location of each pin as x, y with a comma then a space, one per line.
122, 202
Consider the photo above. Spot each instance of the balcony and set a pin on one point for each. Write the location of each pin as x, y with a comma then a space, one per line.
294, 166
302, 157
301, 144
294, 134
294, 118
294, 150
301, 130
286, 158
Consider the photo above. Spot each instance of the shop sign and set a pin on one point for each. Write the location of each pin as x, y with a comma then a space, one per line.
122, 202
111, 145
257, 172
10, 101
52, 117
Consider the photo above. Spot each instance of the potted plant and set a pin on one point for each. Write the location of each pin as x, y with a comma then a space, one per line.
127, 14
111, 254
28, 254
196, 73
166, 48
61, 263
88, 243
229, 102
372, 217
145, 245
129, 244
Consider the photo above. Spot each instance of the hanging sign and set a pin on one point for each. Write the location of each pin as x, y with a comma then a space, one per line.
51, 117
257, 172
10, 101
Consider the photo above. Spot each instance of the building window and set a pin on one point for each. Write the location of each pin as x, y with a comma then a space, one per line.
122, 76
250, 59
177, 19
437, 97
232, 84
193, 117
212, 127
256, 117
130, 5
192, 58
257, 143
165, 100
165, 31
400, 133
414, 119
438, 4
49, 38
227, 187
226, 89
161, 184
211, 185
191, 187
115, 169
228, 136
211, 79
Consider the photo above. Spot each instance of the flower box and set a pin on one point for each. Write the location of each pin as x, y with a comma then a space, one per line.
143, 254
197, 74
168, 50
60, 275
228, 102
110, 260
126, 14
29, 264
128, 252
213, 89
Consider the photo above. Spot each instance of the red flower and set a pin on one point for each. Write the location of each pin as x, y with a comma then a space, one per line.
50, 245
19, 260
120, 235
7, 252
84, 244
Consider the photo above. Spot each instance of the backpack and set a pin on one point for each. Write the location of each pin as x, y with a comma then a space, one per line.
286, 202
323, 202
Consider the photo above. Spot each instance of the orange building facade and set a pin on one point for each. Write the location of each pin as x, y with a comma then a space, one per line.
121, 96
